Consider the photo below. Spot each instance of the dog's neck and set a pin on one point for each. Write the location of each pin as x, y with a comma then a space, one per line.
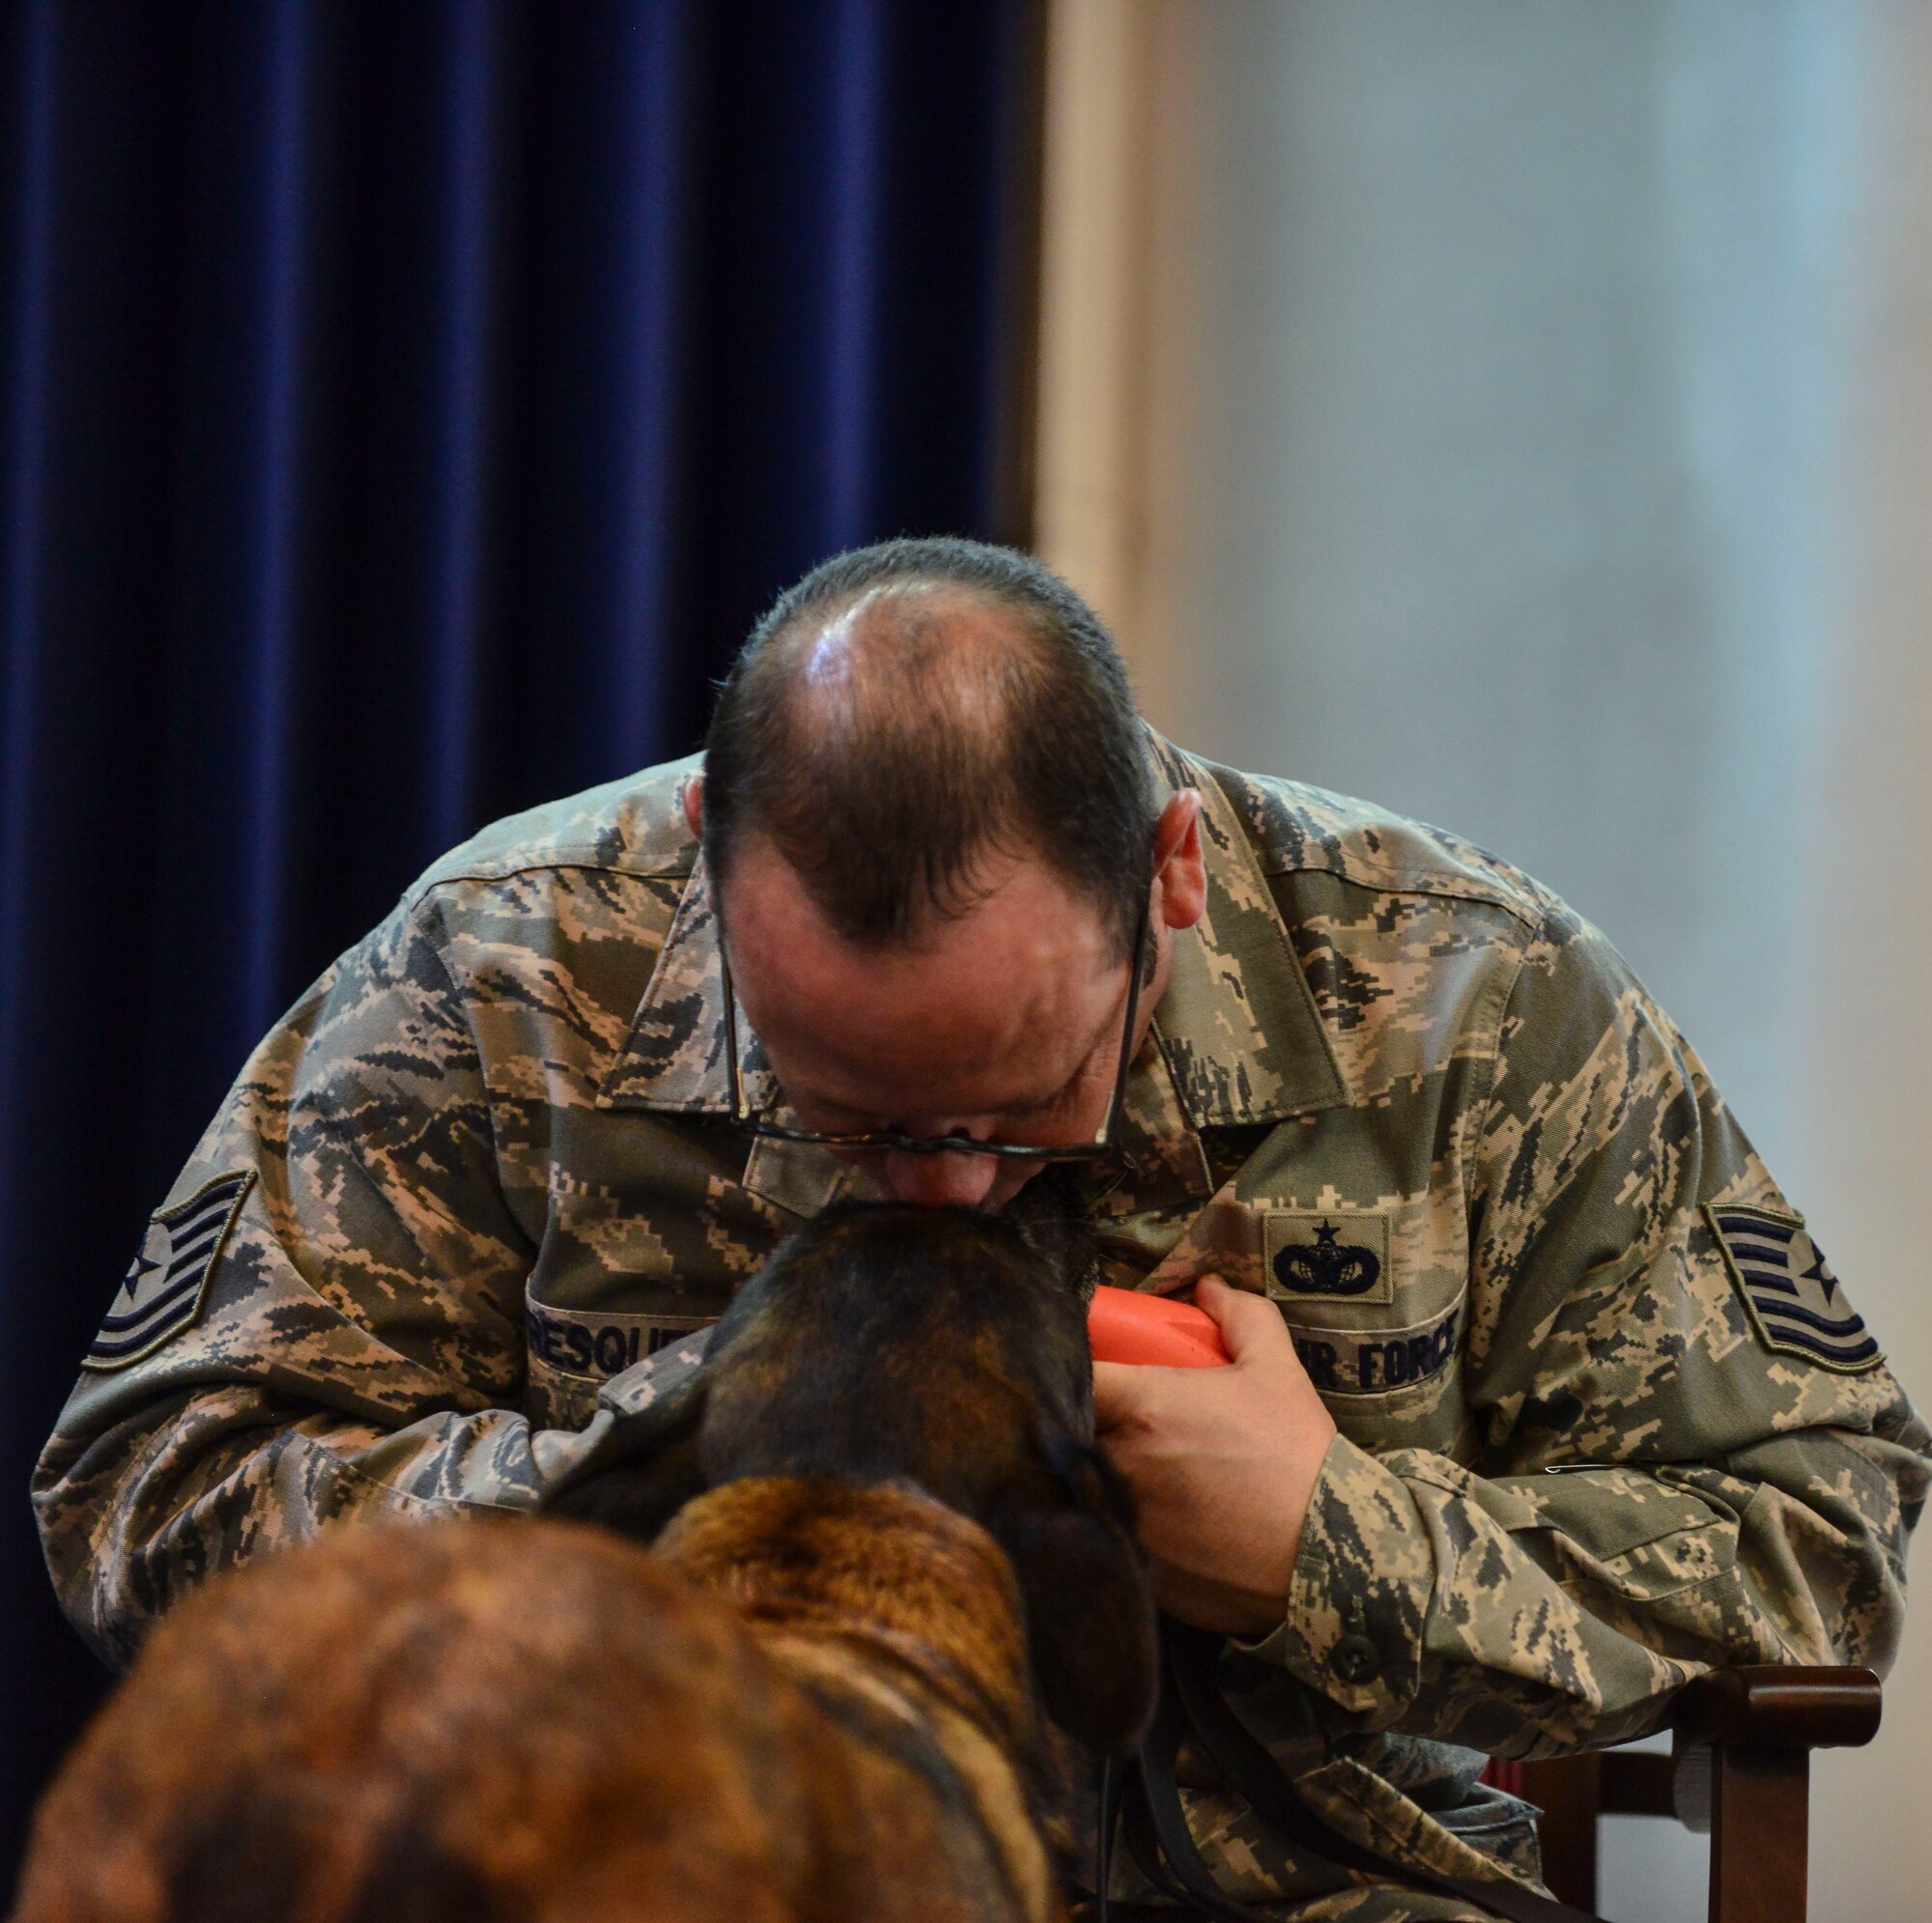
927, 1591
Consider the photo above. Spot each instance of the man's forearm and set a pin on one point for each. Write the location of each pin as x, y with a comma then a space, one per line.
1529, 1614
172, 1492
138, 1513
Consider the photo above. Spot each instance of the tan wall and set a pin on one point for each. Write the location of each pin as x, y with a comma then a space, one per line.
1523, 415
1865, 908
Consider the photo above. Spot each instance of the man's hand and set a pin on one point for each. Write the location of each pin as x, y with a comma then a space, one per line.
1222, 1463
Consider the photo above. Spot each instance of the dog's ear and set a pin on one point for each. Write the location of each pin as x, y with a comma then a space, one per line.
1088, 1609
647, 1469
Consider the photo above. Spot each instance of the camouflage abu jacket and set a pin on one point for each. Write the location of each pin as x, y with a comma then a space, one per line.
1605, 1416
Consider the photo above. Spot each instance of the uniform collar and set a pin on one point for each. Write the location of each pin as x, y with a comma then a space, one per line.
1238, 1028
674, 1059
1238, 1019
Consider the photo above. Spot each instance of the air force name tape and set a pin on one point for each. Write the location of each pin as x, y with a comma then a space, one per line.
162, 1290
1794, 1299
599, 1347
1371, 1362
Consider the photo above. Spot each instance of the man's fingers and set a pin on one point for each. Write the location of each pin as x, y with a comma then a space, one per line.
1121, 1393
1248, 1323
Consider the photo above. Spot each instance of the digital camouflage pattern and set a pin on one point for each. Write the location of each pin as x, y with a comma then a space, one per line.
1393, 1084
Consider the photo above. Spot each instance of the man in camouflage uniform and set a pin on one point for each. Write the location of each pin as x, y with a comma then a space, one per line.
1556, 1405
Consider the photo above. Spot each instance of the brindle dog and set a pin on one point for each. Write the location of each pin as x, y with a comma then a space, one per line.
890, 1543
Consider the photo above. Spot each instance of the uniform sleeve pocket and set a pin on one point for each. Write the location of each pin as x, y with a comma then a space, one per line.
1624, 1531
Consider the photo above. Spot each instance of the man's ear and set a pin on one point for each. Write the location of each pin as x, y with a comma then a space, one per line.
1179, 869
693, 798
1089, 1610
647, 1471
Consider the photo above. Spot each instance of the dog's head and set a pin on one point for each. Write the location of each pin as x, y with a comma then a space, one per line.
947, 1348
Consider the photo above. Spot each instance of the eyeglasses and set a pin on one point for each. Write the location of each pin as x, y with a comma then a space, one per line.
945, 1145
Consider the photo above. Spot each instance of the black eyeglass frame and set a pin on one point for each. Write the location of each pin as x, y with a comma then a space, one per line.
946, 1145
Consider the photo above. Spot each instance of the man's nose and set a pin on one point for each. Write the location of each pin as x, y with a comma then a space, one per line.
940, 1182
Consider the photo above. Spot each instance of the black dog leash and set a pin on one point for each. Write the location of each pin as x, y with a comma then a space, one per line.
1142, 1798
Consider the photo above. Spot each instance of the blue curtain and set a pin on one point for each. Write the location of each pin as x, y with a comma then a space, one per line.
404, 410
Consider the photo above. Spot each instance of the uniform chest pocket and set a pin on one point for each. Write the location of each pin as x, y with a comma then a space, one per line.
1375, 1298
1376, 1302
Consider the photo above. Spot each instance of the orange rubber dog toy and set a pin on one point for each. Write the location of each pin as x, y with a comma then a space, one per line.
1124, 1325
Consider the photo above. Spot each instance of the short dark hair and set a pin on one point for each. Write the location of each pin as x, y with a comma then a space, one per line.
930, 759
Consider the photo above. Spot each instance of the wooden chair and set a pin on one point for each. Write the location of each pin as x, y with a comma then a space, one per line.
1739, 1771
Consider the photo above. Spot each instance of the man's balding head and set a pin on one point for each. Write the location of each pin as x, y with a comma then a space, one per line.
912, 713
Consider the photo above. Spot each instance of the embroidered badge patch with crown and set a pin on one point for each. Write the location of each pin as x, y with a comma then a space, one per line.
161, 1293
1794, 1299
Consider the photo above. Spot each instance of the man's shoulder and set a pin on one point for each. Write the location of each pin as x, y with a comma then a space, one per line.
1296, 829
635, 825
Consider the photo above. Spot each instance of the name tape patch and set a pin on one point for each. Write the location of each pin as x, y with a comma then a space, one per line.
1371, 1362
161, 1293
600, 1347
1792, 1298
1312, 1255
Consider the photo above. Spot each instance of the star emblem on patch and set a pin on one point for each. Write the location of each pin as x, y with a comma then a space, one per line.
1795, 1302
161, 1293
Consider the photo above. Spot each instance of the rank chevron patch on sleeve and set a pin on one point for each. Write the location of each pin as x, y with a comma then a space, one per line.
161, 1293
1795, 1302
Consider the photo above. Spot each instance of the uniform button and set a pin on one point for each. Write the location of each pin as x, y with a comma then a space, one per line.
1356, 1659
